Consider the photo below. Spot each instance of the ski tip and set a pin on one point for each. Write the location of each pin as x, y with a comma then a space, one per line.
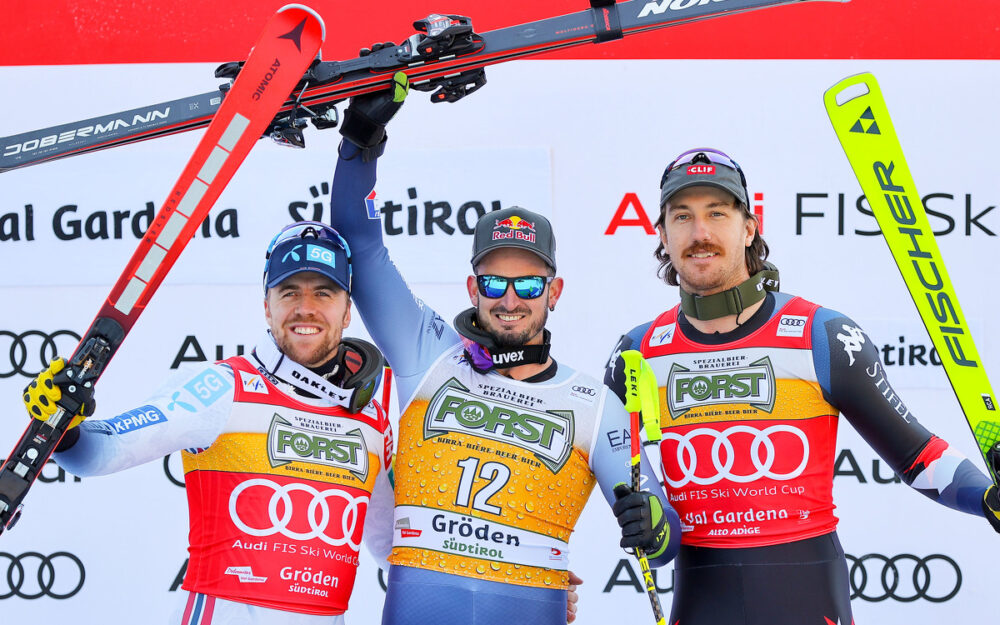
302, 7
849, 89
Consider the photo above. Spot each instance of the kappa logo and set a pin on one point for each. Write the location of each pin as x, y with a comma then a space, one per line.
287, 443
548, 435
753, 384
253, 383
791, 325
662, 335
853, 341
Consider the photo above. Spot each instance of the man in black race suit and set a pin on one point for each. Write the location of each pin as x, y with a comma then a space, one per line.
751, 383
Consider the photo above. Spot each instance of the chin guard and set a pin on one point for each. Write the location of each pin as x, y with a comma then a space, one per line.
359, 372
731, 301
483, 352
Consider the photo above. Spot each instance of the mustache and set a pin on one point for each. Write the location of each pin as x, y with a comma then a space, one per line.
702, 247
517, 310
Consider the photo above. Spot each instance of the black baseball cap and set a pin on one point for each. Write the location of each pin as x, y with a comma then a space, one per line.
514, 227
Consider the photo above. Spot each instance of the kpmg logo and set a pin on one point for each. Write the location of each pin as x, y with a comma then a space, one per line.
141, 417
753, 384
287, 443
548, 435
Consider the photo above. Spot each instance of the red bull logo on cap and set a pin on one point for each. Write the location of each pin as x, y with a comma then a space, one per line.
514, 225
701, 169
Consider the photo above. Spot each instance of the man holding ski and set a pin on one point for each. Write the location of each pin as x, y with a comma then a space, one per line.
286, 458
499, 445
753, 381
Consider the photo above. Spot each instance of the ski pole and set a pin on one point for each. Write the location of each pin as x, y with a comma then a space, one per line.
641, 396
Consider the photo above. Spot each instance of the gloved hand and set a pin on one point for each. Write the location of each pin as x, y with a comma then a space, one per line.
640, 515
991, 507
41, 395
366, 116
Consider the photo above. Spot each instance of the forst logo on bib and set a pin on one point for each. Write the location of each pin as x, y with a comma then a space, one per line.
547, 435
753, 384
287, 443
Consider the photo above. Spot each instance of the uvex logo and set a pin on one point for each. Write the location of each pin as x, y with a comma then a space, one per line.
701, 169
548, 435
508, 358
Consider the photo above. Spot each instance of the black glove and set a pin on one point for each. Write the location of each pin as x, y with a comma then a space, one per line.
991, 507
640, 515
366, 116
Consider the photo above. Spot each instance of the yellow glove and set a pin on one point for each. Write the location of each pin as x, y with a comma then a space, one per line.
991, 507
42, 395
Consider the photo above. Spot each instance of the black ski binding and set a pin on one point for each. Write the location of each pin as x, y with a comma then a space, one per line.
441, 35
454, 88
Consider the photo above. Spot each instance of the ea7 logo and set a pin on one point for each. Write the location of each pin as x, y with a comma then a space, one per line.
548, 435
656, 8
753, 385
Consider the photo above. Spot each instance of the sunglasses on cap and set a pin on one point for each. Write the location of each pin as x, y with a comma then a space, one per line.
308, 230
526, 287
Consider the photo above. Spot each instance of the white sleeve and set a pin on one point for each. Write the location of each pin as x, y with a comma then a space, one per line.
188, 411
378, 522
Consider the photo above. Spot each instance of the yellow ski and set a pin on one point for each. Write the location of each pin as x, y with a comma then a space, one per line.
861, 120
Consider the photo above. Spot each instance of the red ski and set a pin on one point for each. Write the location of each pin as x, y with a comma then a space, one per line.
289, 44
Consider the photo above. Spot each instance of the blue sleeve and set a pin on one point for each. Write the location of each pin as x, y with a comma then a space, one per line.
854, 381
610, 461
410, 334
614, 369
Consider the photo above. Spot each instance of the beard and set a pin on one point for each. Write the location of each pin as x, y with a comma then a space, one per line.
308, 356
512, 339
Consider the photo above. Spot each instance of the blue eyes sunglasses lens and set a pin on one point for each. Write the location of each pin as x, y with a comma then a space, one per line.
527, 287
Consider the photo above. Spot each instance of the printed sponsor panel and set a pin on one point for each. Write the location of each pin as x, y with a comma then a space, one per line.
579, 173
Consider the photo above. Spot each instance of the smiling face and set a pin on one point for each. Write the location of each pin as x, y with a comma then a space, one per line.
706, 235
307, 314
513, 321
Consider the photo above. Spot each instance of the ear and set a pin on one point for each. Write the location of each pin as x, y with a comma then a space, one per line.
751, 225
555, 292
347, 314
470, 285
267, 310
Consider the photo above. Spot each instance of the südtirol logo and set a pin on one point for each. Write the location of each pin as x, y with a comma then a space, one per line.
547, 435
288, 443
752, 384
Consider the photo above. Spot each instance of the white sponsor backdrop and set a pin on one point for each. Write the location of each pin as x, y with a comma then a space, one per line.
570, 139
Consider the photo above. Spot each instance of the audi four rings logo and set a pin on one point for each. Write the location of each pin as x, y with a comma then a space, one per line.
33, 575
350, 522
793, 321
586, 390
905, 577
30, 351
723, 454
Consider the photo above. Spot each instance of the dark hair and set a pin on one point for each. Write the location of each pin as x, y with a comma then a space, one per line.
755, 254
